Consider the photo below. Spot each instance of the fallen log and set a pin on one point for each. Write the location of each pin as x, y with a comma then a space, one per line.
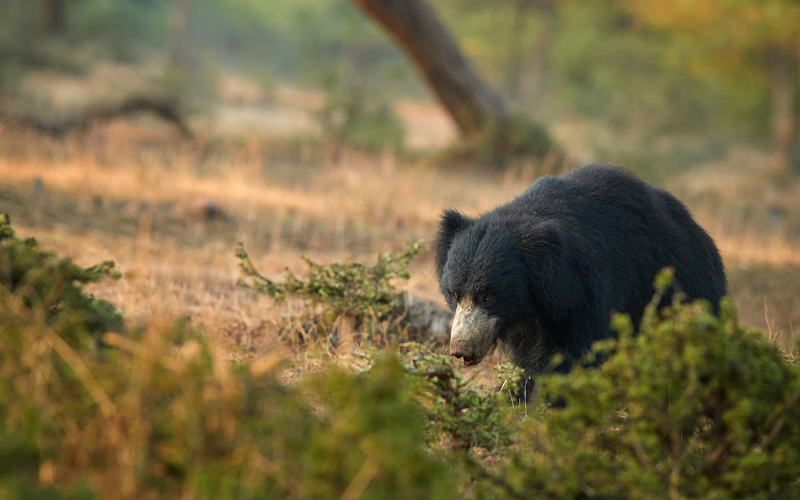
163, 108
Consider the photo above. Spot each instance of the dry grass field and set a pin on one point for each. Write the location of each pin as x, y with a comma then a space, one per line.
170, 214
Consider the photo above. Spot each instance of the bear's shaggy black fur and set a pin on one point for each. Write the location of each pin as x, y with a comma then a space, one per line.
542, 274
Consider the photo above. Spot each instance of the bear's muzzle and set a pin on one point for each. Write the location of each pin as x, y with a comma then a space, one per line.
474, 333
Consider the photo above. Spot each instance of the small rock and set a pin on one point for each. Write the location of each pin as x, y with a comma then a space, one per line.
427, 316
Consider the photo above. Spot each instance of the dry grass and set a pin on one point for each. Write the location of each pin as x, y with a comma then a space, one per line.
135, 195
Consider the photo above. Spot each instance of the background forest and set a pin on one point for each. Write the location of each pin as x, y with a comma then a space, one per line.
707, 74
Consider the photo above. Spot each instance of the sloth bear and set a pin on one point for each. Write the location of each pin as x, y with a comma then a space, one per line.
543, 273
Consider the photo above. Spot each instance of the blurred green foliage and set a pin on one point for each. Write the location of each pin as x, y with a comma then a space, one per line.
516, 137
124, 30
159, 425
694, 406
348, 118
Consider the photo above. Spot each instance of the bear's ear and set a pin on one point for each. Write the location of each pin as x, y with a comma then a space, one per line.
549, 255
452, 223
540, 242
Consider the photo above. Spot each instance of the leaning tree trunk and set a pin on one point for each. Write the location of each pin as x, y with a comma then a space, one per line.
55, 16
473, 105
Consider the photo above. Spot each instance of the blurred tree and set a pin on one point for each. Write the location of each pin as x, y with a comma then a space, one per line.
416, 28
754, 37
477, 110
179, 50
515, 47
519, 50
55, 15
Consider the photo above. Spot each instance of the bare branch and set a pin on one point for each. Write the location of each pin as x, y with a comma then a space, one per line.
165, 109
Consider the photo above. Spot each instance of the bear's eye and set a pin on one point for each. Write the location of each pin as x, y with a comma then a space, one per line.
487, 300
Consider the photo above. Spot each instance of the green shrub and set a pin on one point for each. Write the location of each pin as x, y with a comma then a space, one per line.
359, 106
349, 289
458, 412
38, 282
513, 138
371, 128
694, 406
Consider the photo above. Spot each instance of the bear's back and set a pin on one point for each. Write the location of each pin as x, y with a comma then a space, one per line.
606, 198
626, 231
594, 185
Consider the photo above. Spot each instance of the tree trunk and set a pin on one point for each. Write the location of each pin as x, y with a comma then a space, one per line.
179, 50
55, 16
785, 77
515, 49
474, 106
537, 65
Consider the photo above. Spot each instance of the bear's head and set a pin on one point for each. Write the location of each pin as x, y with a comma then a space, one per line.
485, 279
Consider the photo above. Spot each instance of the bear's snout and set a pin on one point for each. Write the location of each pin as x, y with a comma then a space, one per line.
465, 352
473, 334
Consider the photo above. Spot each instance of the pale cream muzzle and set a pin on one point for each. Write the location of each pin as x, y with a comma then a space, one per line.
473, 334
